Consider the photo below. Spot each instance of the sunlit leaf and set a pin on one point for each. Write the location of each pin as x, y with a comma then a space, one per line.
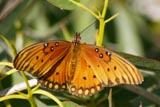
63, 4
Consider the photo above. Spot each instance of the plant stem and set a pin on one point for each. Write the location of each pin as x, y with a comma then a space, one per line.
32, 102
30, 97
111, 18
110, 97
85, 8
99, 38
105, 8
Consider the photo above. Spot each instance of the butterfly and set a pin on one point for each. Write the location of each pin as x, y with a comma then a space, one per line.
79, 68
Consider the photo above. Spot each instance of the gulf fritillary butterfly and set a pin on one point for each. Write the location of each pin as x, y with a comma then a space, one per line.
81, 69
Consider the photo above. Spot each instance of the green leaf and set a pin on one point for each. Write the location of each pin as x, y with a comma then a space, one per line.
70, 104
39, 91
63, 4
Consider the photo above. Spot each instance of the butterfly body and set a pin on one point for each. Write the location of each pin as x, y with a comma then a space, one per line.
80, 68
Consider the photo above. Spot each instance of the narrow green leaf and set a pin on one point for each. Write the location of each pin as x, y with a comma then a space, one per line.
39, 91
14, 96
9, 72
63, 4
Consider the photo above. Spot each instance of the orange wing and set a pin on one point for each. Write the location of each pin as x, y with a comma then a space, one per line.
85, 81
57, 78
110, 67
98, 68
40, 58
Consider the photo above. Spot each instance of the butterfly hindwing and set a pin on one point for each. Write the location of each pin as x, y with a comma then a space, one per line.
84, 82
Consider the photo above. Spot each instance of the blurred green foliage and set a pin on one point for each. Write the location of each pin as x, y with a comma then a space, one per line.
134, 32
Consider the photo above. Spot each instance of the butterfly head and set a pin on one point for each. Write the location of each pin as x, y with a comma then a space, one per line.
77, 38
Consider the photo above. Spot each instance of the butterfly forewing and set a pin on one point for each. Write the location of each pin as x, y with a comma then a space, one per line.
57, 77
39, 58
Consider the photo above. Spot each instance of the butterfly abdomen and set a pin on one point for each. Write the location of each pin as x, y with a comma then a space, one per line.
74, 58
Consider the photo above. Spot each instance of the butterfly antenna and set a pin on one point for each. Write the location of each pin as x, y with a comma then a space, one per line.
88, 26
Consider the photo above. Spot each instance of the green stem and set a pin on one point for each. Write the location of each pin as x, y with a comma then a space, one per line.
26, 81
99, 38
105, 8
100, 35
32, 102
85, 8
30, 97
110, 97
111, 18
